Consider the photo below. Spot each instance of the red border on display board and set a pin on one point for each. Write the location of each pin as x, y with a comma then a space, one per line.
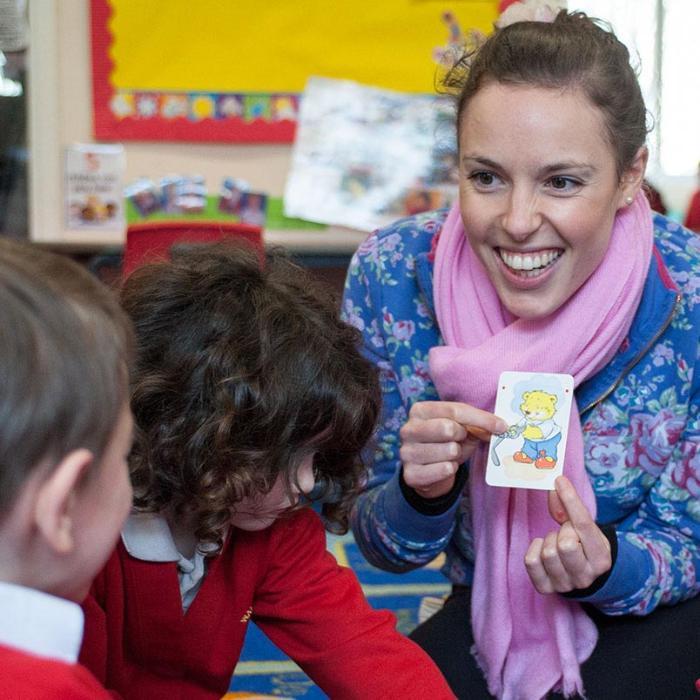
110, 127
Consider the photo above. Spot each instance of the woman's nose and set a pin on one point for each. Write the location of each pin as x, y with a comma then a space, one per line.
521, 217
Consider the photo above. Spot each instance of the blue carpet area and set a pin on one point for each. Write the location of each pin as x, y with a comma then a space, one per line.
265, 672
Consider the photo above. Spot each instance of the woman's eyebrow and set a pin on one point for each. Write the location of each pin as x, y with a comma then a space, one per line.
480, 160
587, 168
569, 165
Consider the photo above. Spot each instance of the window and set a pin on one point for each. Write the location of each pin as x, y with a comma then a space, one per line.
13, 119
680, 87
662, 38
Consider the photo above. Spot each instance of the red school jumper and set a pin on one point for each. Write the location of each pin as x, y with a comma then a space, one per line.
692, 217
139, 642
25, 676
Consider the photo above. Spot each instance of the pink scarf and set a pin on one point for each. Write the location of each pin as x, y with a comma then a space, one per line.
528, 643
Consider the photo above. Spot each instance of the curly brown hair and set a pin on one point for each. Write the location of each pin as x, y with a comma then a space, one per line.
241, 371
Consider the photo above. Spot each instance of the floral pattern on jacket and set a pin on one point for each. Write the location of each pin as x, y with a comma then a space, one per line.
640, 415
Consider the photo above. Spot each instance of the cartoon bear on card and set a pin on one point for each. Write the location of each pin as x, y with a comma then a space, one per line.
539, 431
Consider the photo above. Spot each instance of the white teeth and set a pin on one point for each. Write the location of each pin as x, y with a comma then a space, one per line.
531, 265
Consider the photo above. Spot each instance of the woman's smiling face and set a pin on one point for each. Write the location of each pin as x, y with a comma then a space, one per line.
539, 191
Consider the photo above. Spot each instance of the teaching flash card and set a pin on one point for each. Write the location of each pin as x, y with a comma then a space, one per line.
530, 454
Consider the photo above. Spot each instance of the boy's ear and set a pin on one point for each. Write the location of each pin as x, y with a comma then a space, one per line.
54, 506
633, 177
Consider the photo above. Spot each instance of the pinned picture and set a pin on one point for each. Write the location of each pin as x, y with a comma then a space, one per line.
530, 454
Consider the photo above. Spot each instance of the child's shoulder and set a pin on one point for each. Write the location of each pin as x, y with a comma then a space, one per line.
28, 676
304, 520
298, 534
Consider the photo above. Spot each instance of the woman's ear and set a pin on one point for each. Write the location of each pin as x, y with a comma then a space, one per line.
633, 178
56, 499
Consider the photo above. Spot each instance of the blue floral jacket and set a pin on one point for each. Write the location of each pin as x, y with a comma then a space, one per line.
640, 415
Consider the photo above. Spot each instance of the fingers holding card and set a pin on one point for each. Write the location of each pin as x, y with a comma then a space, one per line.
536, 406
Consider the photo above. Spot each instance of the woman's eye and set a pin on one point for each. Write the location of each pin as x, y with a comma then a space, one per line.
559, 182
483, 178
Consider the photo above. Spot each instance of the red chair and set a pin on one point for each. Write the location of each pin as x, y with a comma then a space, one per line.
153, 240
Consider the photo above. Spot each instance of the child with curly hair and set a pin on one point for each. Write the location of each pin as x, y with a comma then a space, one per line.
250, 398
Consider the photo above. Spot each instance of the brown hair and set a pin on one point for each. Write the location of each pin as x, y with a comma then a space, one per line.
572, 52
64, 352
241, 371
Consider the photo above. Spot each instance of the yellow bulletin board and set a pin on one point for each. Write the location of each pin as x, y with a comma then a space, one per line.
233, 70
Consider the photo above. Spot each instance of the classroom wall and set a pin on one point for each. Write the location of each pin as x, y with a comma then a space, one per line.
265, 166
60, 90
64, 50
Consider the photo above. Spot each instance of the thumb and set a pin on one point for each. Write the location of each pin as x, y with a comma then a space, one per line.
556, 508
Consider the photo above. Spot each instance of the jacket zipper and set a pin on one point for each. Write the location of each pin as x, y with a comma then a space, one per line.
636, 359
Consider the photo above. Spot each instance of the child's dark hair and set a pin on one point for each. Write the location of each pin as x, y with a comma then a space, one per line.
242, 370
65, 346
573, 51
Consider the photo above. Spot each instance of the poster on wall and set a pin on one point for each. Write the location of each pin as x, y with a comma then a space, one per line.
94, 177
364, 157
234, 71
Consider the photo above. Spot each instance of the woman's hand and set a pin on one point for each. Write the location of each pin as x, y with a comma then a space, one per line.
576, 554
437, 437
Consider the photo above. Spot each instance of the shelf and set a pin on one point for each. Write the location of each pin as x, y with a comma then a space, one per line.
334, 240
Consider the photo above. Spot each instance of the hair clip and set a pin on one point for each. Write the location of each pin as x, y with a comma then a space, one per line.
530, 11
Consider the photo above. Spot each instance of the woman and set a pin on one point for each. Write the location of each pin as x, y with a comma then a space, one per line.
551, 262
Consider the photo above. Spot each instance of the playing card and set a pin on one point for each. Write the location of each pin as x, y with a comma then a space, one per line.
530, 454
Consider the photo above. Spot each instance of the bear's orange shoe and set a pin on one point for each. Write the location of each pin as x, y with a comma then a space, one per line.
544, 462
522, 458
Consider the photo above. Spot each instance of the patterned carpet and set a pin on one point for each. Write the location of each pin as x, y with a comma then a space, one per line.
265, 672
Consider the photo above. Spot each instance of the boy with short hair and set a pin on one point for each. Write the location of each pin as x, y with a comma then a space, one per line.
65, 432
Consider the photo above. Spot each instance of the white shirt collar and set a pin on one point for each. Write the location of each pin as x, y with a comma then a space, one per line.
147, 536
39, 623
